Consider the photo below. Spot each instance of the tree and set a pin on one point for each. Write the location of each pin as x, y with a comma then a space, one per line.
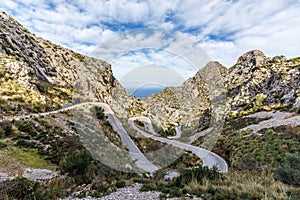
99, 112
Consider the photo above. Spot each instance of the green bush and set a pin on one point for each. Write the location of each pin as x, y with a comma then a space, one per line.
6, 128
99, 112
288, 171
100, 187
139, 123
25, 127
24, 143
2, 145
179, 186
42, 86
216, 193
168, 132
175, 193
120, 184
77, 162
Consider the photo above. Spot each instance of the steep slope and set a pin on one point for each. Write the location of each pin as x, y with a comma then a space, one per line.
55, 75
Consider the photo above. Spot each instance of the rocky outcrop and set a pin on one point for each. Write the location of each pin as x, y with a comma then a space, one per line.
4, 177
257, 78
170, 175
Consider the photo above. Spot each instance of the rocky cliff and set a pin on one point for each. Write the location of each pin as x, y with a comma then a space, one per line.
37, 75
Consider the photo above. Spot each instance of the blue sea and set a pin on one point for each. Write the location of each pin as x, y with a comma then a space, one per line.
144, 92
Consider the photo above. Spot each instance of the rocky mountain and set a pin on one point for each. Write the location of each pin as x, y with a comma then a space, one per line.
255, 82
37, 75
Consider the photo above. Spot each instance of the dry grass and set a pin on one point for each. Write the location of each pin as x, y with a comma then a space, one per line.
261, 185
9, 164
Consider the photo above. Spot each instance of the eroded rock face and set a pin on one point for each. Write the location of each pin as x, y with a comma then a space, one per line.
255, 75
27, 58
19, 42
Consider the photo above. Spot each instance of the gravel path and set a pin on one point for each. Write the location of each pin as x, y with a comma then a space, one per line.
128, 193
277, 119
132, 193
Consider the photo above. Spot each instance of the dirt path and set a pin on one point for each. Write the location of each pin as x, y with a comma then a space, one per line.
276, 119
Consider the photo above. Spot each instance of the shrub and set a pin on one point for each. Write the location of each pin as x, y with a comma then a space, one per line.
99, 112
259, 99
6, 127
139, 123
41, 86
216, 193
24, 143
18, 188
25, 127
196, 175
77, 162
2, 145
120, 184
288, 172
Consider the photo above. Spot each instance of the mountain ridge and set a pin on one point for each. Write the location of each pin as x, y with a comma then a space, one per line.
80, 78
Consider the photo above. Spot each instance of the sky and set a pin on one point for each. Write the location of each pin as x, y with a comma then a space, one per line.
223, 29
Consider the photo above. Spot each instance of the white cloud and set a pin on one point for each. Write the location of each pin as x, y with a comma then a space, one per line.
224, 29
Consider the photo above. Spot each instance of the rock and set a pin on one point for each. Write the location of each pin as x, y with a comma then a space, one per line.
297, 103
4, 177
38, 174
170, 175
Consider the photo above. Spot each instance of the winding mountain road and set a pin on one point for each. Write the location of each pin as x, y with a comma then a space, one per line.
209, 159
